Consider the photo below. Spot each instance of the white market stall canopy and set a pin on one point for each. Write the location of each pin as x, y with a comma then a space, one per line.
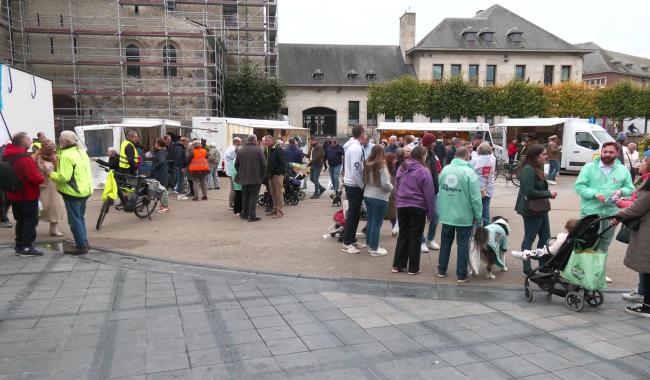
423, 127
536, 122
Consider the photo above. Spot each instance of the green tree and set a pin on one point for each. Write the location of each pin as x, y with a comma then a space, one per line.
520, 99
400, 97
252, 95
644, 106
570, 99
624, 99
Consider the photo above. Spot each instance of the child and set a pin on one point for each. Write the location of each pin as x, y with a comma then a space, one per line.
551, 249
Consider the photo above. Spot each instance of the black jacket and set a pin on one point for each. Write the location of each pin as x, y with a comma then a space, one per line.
180, 156
440, 151
113, 162
159, 170
431, 164
277, 162
450, 155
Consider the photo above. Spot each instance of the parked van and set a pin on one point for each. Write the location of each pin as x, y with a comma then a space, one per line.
580, 140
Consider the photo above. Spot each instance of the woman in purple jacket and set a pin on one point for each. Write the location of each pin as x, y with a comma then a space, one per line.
415, 203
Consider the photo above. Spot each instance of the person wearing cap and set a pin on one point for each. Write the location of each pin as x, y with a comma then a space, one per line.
554, 150
433, 164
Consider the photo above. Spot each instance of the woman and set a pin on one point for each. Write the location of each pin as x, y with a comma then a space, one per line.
485, 166
53, 206
533, 185
160, 172
376, 178
391, 164
632, 160
214, 159
415, 202
232, 173
637, 256
197, 164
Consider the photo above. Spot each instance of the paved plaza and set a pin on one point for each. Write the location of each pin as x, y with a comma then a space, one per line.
108, 315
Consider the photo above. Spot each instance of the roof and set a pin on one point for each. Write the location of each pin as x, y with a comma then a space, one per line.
405, 126
537, 122
133, 123
252, 123
607, 61
299, 61
447, 34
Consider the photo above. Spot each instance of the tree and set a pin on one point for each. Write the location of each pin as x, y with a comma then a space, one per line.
400, 97
251, 95
520, 99
453, 98
644, 105
622, 100
570, 99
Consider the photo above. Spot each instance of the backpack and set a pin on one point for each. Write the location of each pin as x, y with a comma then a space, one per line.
8, 179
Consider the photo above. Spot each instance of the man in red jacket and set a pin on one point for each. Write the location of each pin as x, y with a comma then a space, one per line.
24, 202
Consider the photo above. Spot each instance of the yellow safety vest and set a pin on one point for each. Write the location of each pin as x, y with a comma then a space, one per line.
124, 162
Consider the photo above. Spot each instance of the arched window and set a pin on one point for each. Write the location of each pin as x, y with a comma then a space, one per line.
132, 55
169, 57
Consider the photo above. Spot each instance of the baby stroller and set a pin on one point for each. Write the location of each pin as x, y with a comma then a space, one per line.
548, 277
336, 229
292, 183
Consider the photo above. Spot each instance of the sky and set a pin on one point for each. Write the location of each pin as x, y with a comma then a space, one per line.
622, 26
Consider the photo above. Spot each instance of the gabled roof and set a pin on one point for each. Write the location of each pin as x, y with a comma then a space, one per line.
447, 35
607, 61
299, 61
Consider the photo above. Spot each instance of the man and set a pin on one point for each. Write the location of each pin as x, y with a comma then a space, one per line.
129, 154
316, 158
632, 161
74, 181
214, 160
440, 151
326, 146
600, 184
334, 158
476, 141
251, 168
434, 166
180, 163
523, 150
512, 151
113, 160
276, 168
460, 207
292, 153
554, 150
171, 176
24, 202
392, 145
367, 146
353, 182
228, 157
455, 144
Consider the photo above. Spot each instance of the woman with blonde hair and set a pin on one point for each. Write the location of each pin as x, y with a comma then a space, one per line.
52, 202
376, 177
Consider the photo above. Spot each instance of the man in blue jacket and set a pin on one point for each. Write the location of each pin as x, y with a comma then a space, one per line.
334, 159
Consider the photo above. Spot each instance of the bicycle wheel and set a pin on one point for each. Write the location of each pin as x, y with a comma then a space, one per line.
514, 179
102, 213
143, 207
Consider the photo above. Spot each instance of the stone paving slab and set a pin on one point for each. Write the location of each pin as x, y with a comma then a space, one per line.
109, 316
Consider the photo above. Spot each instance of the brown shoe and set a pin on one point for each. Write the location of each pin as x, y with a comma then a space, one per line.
75, 250
195, 198
205, 198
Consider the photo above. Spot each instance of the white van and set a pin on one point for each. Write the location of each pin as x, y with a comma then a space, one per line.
580, 140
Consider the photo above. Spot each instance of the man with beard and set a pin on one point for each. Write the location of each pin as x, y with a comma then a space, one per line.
600, 184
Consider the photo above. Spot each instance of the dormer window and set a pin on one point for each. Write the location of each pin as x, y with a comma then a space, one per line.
644, 68
486, 35
515, 35
318, 75
615, 61
469, 34
351, 75
371, 75
628, 65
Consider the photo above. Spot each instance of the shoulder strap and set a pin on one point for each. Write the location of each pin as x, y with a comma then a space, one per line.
19, 155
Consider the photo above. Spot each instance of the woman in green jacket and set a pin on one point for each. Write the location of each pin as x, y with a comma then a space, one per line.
533, 185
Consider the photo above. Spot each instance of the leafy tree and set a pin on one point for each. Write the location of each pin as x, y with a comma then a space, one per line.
401, 97
252, 95
520, 99
453, 98
622, 100
644, 106
570, 99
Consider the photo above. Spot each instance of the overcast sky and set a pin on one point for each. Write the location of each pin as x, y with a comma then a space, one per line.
622, 25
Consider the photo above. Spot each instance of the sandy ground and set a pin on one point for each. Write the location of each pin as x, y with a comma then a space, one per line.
206, 232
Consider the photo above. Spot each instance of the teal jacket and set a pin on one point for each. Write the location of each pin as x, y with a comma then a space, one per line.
459, 199
592, 181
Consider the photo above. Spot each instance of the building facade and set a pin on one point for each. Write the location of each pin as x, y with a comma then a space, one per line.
604, 68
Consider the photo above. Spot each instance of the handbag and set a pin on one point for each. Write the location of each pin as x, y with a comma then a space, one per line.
537, 207
625, 233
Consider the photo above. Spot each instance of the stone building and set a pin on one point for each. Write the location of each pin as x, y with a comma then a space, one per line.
138, 58
493, 47
604, 68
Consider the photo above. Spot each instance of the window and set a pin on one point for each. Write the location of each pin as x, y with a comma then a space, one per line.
469, 34
61, 18
51, 45
353, 112
169, 58
438, 71
230, 14
566, 73
515, 35
318, 75
435, 119
487, 36
171, 5
136, 10
548, 74
372, 119
38, 19
351, 75
407, 118
586, 140
389, 118
596, 82
74, 45
455, 71
132, 55
371, 76
473, 73
490, 75
520, 72
98, 141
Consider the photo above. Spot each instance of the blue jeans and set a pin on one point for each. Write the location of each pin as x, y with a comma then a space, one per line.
76, 210
486, 210
535, 226
606, 237
553, 169
355, 198
335, 171
314, 174
376, 212
179, 180
433, 223
462, 258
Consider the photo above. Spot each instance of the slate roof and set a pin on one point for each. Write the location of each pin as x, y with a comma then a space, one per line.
607, 61
447, 34
299, 61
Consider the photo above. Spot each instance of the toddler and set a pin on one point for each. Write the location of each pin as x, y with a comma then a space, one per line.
551, 249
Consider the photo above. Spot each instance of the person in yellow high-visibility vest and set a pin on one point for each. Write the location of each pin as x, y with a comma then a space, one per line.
129, 154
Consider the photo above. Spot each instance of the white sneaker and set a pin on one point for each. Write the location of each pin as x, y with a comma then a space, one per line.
349, 249
431, 244
423, 248
359, 245
608, 280
551, 182
378, 252
395, 231
519, 254
182, 197
490, 276
633, 296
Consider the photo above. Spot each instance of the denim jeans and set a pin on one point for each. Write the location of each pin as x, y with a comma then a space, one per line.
411, 226
26, 216
553, 169
179, 180
641, 288
433, 227
76, 210
606, 238
462, 243
376, 212
535, 226
486, 210
314, 175
335, 171
214, 176
355, 198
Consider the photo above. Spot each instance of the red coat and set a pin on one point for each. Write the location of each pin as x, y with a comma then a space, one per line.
27, 172
512, 149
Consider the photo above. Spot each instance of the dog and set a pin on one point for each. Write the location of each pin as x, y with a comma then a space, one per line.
492, 243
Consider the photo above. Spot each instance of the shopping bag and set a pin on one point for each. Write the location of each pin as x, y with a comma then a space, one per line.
474, 258
586, 269
110, 189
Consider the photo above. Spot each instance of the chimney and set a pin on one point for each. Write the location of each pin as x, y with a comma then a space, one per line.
407, 34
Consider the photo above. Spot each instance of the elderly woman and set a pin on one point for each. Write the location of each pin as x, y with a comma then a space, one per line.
53, 206
484, 164
631, 159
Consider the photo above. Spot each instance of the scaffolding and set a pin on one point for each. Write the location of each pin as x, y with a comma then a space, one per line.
138, 58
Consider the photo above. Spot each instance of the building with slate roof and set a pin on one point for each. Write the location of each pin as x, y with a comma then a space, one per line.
328, 84
603, 68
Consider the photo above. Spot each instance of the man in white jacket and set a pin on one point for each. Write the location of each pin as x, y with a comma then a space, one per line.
353, 182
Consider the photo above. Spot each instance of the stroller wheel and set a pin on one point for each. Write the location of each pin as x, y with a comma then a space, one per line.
294, 200
528, 291
260, 200
594, 298
301, 195
574, 301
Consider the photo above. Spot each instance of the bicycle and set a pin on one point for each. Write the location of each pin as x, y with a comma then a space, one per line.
141, 194
508, 172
